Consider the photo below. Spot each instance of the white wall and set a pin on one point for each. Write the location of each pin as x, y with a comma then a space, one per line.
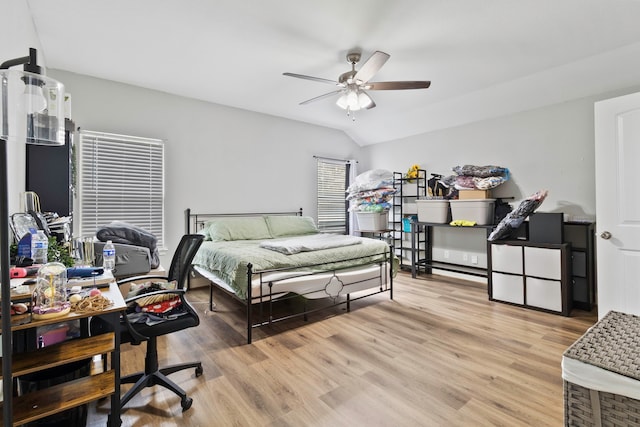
218, 159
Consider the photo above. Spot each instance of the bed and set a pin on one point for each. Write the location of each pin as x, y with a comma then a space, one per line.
261, 259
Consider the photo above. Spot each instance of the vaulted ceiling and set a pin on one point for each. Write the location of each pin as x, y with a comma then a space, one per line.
484, 58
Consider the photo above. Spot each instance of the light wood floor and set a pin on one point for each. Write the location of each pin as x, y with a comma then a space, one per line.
439, 354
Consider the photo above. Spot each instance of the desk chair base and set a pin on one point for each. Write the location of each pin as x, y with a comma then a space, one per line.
153, 375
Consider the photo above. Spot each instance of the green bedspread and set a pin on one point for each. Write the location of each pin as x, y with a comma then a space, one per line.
229, 259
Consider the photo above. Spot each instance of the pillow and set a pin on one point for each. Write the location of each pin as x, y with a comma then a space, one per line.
205, 233
515, 218
280, 225
245, 228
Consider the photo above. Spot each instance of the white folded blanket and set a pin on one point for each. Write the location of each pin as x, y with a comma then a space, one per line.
312, 242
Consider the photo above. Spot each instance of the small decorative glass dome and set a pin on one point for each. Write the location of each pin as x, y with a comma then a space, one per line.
50, 294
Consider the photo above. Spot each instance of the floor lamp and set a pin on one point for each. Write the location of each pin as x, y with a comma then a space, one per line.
32, 111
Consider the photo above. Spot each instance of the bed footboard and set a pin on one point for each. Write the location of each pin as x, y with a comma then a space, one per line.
327, 284
337, 290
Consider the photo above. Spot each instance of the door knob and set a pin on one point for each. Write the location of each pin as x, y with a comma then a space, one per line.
605, 235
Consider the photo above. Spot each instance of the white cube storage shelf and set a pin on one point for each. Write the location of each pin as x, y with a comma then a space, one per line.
508, 288
533, 275
507, 258
543, 262
544, 293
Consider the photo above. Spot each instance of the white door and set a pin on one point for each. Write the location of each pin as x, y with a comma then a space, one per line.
617, 156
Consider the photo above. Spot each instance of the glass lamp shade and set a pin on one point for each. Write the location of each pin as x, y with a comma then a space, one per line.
32, 108
342, 102
354, 100
350, 100
33, 96
364, 100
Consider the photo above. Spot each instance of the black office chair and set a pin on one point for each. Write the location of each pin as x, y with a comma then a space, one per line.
136, 333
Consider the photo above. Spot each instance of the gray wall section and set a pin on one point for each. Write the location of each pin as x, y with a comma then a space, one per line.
549, 148
217, 158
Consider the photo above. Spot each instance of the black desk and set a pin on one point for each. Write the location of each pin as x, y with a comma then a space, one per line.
427, 262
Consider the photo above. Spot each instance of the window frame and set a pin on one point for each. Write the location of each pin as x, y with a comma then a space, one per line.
112, 187
332, 195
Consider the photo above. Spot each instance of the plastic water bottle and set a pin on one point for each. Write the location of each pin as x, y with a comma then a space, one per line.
39, 247
109, 256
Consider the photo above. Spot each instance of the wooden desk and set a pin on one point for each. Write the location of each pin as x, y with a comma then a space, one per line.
41, 403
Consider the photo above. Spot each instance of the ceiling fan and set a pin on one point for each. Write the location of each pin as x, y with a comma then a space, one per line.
354, 84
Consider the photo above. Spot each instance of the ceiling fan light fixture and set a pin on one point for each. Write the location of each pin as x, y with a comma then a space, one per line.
353, 100
350, 100
354, 83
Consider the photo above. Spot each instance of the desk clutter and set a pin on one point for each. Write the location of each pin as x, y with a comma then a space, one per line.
53, 290
37, 243
53, 275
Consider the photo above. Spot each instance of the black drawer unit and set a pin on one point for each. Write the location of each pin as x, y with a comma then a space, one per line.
583, 261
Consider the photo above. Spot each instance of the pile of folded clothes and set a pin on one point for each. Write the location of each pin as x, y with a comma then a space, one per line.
372, 191
471, 177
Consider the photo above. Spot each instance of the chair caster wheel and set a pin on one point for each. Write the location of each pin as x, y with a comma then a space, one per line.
186, 403
198, 371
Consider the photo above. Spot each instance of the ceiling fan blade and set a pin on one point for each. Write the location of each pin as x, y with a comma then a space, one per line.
371, 67
315, 79
317, 98
397, 85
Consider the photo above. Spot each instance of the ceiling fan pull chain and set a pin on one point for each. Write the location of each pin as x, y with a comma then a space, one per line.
351, 114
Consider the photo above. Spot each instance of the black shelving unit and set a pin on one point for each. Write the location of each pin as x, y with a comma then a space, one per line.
404, 208
422, 261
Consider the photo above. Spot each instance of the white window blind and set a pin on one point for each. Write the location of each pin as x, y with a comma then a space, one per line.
332, 185
121, 179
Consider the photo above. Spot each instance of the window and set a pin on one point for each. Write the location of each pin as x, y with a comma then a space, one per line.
121, 179
333, 180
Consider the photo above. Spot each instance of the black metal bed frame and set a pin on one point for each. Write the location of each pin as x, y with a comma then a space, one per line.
265, 316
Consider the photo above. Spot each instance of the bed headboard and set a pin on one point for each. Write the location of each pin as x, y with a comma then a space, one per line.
194, 222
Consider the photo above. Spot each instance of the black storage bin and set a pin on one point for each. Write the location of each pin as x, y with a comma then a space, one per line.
546, 227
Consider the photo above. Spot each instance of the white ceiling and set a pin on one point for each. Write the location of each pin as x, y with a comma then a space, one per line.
485, 58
